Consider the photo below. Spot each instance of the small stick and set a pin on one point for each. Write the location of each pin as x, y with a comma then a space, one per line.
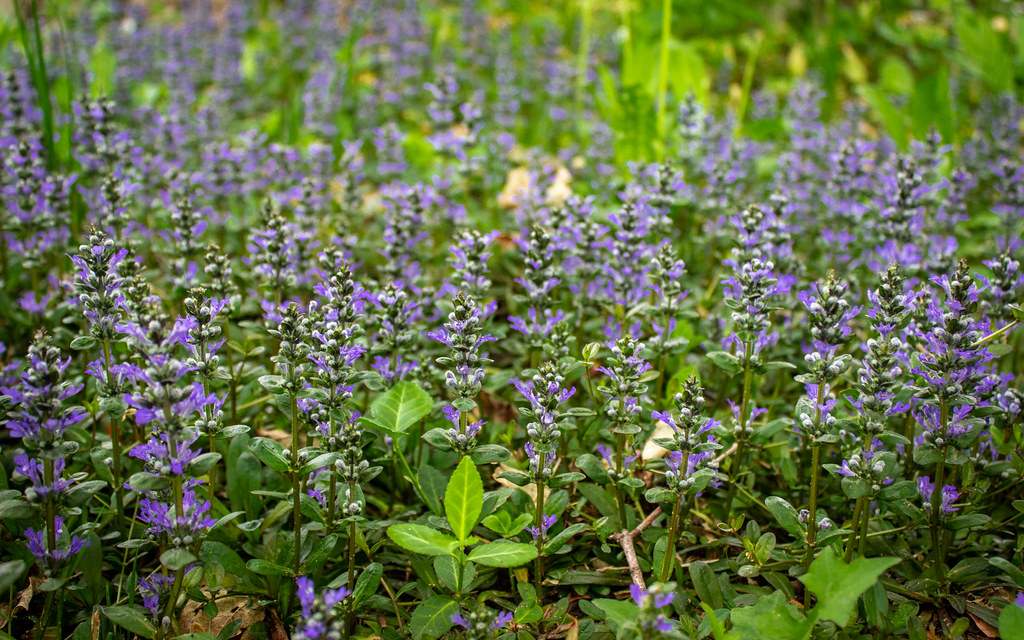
625, 538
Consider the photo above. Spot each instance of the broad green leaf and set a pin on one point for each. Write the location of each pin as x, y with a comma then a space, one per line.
10, 572
464, 499
433, 483
175, 559
131, 619
267, 568
838, 585
401, 407
772, 617
1011, 622
421, 539
503, 554
785, 515
368, 581
270, 453
618, 611
706, 584
433, 618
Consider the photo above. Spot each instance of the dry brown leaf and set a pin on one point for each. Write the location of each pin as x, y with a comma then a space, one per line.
280, 435
25, 595
653, 451
984, 627
231, 608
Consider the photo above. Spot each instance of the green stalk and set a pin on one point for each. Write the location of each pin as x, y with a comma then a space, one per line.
620, 468
332, 493
936, 511
351, 622
865, 517
854, 527
812, 522
115, 446
741, 440
670, 542
296, 484
666, 35
538, 563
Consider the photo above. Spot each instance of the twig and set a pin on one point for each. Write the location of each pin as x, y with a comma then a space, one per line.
725, 454
625, 538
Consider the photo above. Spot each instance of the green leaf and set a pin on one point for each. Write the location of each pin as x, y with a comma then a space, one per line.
725, 361
81, 343
131, 619
1011, 622
772, 617
175, 559
618, 611
421, 539
464, 499
402, 406
706, 584
433, 483
838, 585
433, 618
368, 582
503, 554
10, 572
270, 453
589, 464
785, 515
1008, 567
267, 568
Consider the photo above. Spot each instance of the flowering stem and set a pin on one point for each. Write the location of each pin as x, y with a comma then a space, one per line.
51, 511
332, 492
670, 541
350, 623
854, 528
741, 438
865, 517
936, 501
812, 521
296, 484
538, 521
620, 468
115, 446
812, 518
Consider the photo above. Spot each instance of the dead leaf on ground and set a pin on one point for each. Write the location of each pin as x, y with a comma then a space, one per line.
231, 608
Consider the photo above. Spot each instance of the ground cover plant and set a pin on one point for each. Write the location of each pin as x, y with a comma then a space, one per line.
503, 320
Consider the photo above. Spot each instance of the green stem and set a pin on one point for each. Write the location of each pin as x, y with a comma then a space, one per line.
296, 490
538, 522
865, 517
670, 542
812, 520
854, 527
741, 438
936, 501
620, 469
115, 446
351, 622
405, 466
